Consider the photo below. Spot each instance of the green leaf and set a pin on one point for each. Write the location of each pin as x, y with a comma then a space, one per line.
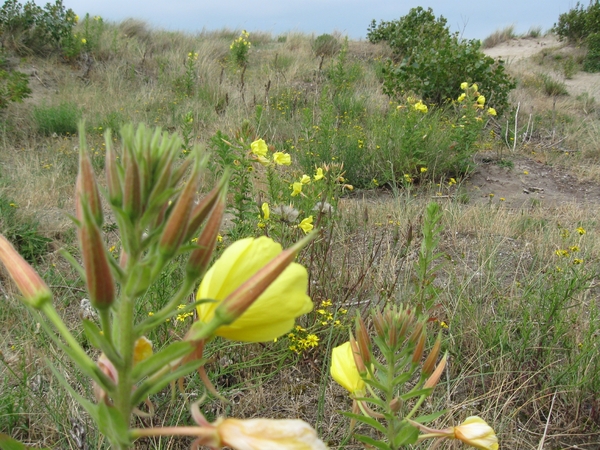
407, 435
370, 441
8, 443
98, 340
430, 417
113, 425
160, 359
366, 420
417, 393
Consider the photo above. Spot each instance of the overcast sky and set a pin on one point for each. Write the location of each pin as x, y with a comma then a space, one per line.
475, 18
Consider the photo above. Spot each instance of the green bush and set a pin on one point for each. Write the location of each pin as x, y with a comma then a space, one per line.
591, 63
30, 29
326, 45
61, 119
431, 62
578, 23
14, 87
23, 235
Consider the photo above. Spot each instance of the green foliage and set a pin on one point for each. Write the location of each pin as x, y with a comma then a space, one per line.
87, 40
61, 119
23, 234
186, 85
431, 62
14, 87
591, 63
326, 45
30, 29
578, 23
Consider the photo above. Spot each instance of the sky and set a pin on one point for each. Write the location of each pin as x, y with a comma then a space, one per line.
475, 19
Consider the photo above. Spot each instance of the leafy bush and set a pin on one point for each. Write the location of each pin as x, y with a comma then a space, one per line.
61, 119
591, 63
24, 235
14, 87
326, 45
578, 23
432, 63
239, 48
30, 29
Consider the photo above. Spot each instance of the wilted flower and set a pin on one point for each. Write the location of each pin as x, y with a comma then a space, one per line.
307, 224
268, 317
259, 147
344, 371
287, 213
282, 159
323, 207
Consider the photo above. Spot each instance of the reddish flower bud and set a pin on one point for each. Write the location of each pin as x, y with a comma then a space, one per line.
86, 189
98, 276
132, 192
113, 177
432, 381
35, 292
429, 363
419, 349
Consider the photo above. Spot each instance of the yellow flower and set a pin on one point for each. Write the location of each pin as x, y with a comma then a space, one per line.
142, 349
273, 313
474, 87
423, 169
266, 211
461, 97
474, 431
492, 112
296, 188
581, 230
319, 175
305, 179
481, 100
259, 147
344, 372
282, 159
84, 41
420, 106
464, 85
306, 224
76, 18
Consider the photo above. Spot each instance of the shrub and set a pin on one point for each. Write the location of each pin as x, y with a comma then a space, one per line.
326, 45
591, 63
14, 87
30, 29
578, 23
431, 62
61, 119
239, 48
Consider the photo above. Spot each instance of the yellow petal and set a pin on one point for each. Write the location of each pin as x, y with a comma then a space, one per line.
259, 147
344, 372
475, 432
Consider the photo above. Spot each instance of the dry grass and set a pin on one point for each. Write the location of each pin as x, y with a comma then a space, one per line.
499, 36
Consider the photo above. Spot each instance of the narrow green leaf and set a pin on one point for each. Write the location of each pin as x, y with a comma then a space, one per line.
430, 417
98, 340
113, 425
366, 420
370, 441
8, 443
407, 435
418, 393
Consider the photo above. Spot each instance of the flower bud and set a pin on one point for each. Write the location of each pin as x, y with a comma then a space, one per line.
363, 340
429, 363
113, 177
432, 381
86, 189
419, 349
33, 289
132, 190
98, 276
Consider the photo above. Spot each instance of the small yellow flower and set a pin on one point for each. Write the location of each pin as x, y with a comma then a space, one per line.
423, 170
305, 179
581, 231
344, 372
319, 175
461, 97
282, 159
474, 87
464, 85
562, 253
578, 261
219, 238
574, 248
420, 106
307, 224
492, 112
84, 41
481, 100
502, 199
296, 188
259, 147
266, 211
76, 18
142, 349
525, 172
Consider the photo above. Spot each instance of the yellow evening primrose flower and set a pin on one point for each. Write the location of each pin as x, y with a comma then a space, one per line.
266, 211
423, 169
481, 100
420, 106
84, 41
273, 313
461, 97
282, 159
296, 188
474, 87
259, 147
474, 431
305, 179
344, 372
319, 175
307, 224
464, 85
142, 349
492, 112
